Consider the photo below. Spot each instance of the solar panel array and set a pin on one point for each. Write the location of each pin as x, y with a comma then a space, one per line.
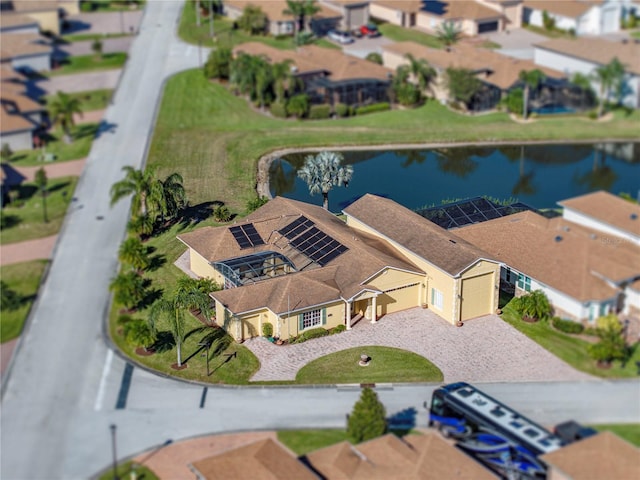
305, 237
246, 235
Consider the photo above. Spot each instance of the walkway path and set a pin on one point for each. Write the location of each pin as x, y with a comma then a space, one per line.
461, 353
72, 168
27, 250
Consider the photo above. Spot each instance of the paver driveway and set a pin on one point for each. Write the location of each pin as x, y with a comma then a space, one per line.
485, 349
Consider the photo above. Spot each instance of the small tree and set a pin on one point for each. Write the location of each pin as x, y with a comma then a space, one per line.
324, 171
140, 333
253, 20
531, 79
9, 298
611, 345
218, 64
221, 214
535, 305
132, 252
256, 203
96, 47
298, 105
61, 111
41, 181
6, 153
267, 329
374, 57
128, 289
449, 33
548, 21
368, 418
463, 84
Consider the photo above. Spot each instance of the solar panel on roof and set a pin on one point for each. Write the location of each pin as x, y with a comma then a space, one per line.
296, 227
317, 245
246, 235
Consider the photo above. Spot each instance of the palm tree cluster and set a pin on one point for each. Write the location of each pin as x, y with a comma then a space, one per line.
411, 80
262, 81
152, 198
610, 77
300, 10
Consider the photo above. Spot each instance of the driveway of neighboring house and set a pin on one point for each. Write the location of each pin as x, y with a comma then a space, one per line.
485, 349
80, 82
109, 45
516, 43
104, 22
364, 46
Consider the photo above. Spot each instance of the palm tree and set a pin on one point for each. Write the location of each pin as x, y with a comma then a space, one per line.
299, 10
531, 79
173, 198
61, 111
174, 309
264, 80
140, 333
128, 289
421, 71
608, 76
41, 182
141, 225
449, 33
133, 252
323, 172
142, 185
282, 74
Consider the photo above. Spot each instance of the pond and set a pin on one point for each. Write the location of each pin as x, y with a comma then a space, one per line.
537, 175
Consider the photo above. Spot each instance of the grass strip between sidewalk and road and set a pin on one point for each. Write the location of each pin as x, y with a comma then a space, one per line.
89, 63
24, 278
89, 100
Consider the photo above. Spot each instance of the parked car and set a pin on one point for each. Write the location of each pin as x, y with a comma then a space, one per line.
370, 30
340, 36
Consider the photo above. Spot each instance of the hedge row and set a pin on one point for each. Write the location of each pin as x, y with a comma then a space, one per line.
567, 326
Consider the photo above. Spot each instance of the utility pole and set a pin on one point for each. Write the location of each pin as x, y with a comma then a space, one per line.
113, 427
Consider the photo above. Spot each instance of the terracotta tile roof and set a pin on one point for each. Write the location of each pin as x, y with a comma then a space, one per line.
14, 123
467, 10
19, 44
407, 6
607, 208
14, 103
274, 9
313, 58
604, 455
503, 71
342, 277
561, 254
261, 460
412, 458
13, 96
34, 5
10, 19
436, 245
565, 8
635, 285
597, 50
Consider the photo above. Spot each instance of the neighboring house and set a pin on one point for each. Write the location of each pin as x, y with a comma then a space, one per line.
413, 457
585, 55
583, 273
27, 52
280, 23
606, 213
353, 13
584, 17
18, 23
298, 266
472, 17
329, 75
604, 455
498, 73
48, 13
20, 116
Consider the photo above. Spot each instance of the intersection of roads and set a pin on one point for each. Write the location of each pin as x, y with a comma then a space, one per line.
66, 386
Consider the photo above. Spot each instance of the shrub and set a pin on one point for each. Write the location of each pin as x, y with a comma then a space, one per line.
87, 6
368, 418
312, 333
319, 112
535, 305
608, 325
256, 203
376, 107
221, 214
342, 110
219, 63
374, 57
338, 329
267, 329
514, 101
10, 299
299, 105
279, 110
567, 326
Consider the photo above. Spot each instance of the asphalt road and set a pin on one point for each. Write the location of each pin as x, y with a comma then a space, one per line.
65, 387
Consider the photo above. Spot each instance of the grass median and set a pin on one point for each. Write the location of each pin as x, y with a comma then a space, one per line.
89, 63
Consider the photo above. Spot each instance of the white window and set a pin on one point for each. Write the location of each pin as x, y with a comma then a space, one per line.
437, 299
312, 318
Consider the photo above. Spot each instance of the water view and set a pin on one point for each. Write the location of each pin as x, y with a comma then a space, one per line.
538, 175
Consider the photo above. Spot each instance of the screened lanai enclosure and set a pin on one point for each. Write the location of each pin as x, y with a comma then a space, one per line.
352, 92
253, 268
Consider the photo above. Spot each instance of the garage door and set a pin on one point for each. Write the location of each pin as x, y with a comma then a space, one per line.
398, 299
610, 21
488, 27
477, 296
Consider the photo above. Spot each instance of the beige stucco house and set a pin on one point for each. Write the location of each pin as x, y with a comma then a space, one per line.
297, 266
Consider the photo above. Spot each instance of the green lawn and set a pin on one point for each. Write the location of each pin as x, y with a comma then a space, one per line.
214, 138
89, 63
85, 37
24, 278
630, 432
571, 349
401, 34
23, 219
123, 471
635, 34
83, 135
302, 442
555, 33
387, 365
115, 5
89, 100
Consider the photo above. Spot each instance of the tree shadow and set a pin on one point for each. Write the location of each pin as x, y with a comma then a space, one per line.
8, 220
105, 127
85, 130
150, 297
195, 214
402, 422
25, 192
57, 187
156, 262
164, 342
70, 26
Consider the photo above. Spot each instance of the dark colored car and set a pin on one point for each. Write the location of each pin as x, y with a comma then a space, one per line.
369, 30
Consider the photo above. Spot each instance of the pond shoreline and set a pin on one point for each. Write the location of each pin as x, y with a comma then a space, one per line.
264, 163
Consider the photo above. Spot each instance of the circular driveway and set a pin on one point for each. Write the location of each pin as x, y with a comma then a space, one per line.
485, 349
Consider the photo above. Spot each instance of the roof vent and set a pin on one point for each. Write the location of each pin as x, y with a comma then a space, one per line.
566, 228
558, 238
452, 241
634, 216
593, 236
